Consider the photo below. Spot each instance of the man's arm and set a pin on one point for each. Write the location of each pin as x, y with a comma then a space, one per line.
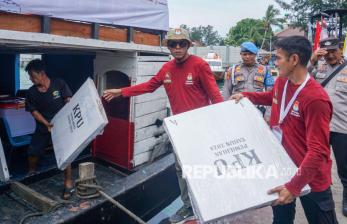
228, 87
313, 63
38, 116
260, 98
209, 84
31, 106
317, 119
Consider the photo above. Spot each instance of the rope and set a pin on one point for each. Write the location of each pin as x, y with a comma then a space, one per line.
99, 191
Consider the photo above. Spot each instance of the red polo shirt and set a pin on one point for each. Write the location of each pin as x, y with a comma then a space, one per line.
189, 85
305, 132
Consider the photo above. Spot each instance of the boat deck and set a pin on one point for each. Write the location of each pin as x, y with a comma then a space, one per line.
144, 192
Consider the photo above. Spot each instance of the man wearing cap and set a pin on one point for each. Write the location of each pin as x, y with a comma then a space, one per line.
189, 84
247, 76
337, 91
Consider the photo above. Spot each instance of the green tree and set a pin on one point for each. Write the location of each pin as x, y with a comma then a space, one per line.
205, 35
248, 30
300, 11
271, 19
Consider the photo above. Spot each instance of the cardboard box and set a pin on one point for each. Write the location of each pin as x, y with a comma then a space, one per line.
229, 157
77, 124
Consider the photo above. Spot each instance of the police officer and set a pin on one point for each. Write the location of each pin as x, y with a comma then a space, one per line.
337, 90
248, 76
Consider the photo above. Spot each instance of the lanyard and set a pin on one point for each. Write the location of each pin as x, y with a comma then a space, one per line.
284, 111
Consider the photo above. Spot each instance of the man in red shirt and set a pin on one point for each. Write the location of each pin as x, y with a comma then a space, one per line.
189, 84
300, 117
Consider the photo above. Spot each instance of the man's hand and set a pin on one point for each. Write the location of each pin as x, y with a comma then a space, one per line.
49, 127
237, 97
320, 52
284, 196
67, 99
111, 93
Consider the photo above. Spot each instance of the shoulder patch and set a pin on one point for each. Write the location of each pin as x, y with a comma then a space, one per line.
261, 70
238, 68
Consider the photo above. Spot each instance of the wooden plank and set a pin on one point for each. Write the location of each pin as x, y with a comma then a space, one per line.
146, 38
149, 119
145, 145
142, 158
70, 28
41, 40
148, 144
164, 58
148, 69
156, 95
19, 22
108, 33
148, 132
36, 199
142, 79
150, 107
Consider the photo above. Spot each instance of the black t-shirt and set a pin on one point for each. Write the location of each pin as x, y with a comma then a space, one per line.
50, 102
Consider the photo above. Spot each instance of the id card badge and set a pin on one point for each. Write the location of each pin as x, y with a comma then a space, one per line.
277, 131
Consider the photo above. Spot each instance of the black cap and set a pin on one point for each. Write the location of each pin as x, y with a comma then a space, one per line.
330, 43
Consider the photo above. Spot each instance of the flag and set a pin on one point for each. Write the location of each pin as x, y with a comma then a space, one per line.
317, 36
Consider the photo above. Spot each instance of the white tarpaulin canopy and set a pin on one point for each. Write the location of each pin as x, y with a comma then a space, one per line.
150, 14
230, 158
77, 124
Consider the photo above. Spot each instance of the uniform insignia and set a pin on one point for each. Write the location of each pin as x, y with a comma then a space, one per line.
259, 78
189, 79
327, 43
261, 70
238, 69
167, 79
56, 94
178, 31
240, 78
295, 109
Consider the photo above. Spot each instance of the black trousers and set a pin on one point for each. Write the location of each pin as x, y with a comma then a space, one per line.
319, 208
338, 141
40, 140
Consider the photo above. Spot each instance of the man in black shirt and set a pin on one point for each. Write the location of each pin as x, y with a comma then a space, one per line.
44, 99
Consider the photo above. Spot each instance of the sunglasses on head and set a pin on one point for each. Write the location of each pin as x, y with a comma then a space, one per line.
174, 43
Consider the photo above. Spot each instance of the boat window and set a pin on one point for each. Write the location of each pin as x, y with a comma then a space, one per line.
24, 80
118, 107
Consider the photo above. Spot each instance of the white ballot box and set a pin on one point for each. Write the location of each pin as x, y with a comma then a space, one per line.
4, 174
229, 157
77, 124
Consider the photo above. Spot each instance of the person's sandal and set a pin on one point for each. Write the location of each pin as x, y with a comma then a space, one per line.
67, 193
